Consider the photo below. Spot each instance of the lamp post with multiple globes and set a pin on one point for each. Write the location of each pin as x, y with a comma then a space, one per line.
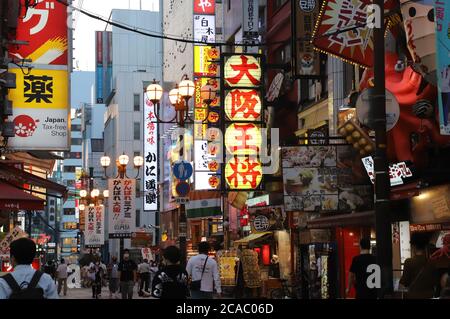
121, 163
179, 97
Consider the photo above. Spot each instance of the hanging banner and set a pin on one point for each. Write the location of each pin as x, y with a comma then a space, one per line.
45, 29
306, 17
204, 6
205, 28
250, 26
150, 157
203, 61
40, 110
355, 45
443, 44
121, 205
94, 234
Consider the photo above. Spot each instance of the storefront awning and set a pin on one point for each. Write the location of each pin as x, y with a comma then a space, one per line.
12, 198
251, 238
343, 220
17, 177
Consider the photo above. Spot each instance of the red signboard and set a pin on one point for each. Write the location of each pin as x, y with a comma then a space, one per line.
354, 45
204, 6
45, 29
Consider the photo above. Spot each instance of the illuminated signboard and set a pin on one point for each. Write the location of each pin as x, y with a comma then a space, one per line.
242, 71
243, 109
243, 105
150, 158
243, 173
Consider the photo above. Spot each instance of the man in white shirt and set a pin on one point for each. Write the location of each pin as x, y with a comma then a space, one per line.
144, 274
205, 269
22, 253
61, 274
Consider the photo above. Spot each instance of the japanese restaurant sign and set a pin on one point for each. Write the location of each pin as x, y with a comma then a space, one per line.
306, 12
250, 9
442, 9
41, 98
121, 205
355, 45
204, 28
243, 108
94, 233
150, 158
204, 6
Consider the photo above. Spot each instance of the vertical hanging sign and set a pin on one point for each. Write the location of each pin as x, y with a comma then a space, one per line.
442, 9
150, 157
121, 201
94, 233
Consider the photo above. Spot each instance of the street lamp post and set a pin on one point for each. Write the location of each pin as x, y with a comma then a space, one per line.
382, 181
121, 163
179, 97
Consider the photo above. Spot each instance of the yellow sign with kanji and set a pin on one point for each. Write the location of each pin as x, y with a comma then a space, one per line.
243, 173
40, 89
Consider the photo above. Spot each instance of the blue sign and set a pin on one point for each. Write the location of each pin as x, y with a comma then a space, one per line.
182, 170
182, 189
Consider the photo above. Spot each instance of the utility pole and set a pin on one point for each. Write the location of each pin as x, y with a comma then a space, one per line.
382, 181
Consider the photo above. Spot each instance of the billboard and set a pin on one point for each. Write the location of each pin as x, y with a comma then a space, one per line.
322, 179
443, 61
250, 26
121, 205
40, 110
45, 29
355, 45
205, 28
94, 233
151, 158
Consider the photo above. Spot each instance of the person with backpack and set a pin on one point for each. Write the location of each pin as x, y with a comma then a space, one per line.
25, 282
204, 273
170, 281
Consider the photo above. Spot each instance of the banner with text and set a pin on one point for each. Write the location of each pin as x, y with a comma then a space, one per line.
94, 234
121, 205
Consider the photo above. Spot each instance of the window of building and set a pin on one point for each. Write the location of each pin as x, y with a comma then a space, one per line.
138, 217
69, 211
137, 131
70, 241
70, 183
97, 145
69, 169
277, 4
52, 202
137, 102
70, 226
75, 128
76, 141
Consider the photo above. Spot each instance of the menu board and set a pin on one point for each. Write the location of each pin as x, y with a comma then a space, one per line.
227, 262
250, 267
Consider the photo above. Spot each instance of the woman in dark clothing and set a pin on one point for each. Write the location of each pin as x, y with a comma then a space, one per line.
97, 283
171, 282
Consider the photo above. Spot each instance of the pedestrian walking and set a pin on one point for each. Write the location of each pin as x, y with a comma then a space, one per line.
171, 281
50, 269
97, 269
127, 275
153, 270
61, 274
420, 276
40, 285
358, 272
113, 271
204, 274
144, 275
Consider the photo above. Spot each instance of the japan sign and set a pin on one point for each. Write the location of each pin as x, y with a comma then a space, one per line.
355, 45
243, 139
121, 206
94, 232
40, 110
204, 28
45, 29
203, 57
242, 71
243, 173
306, 13
204, 6
150, 158
243, 105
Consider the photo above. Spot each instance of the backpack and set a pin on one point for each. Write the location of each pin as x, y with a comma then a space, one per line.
30, 292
